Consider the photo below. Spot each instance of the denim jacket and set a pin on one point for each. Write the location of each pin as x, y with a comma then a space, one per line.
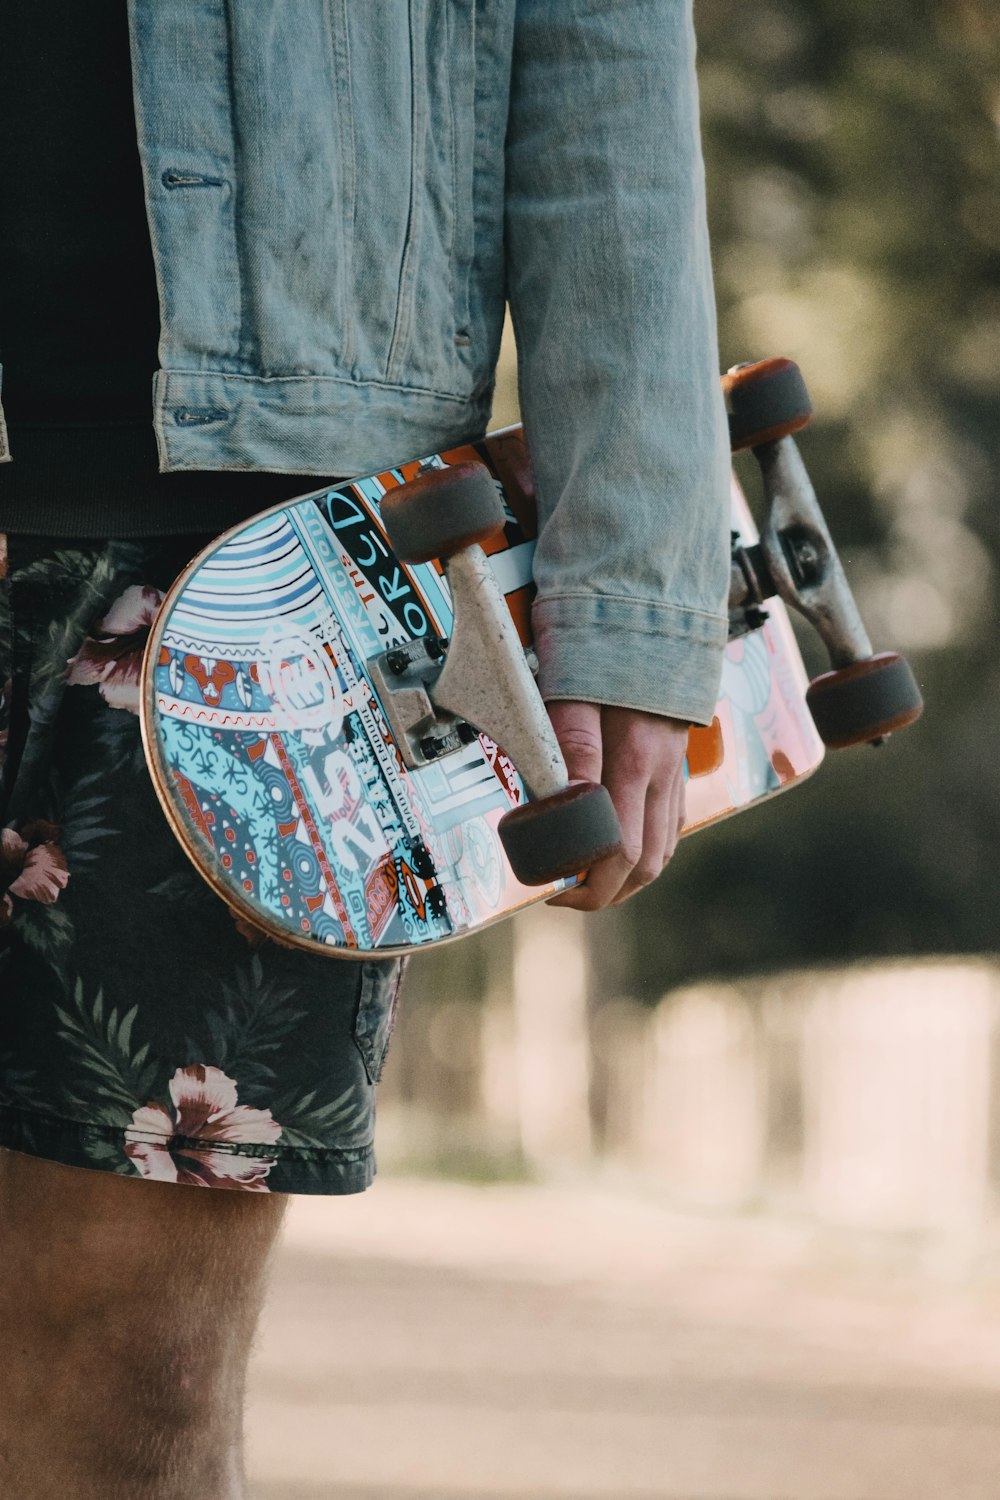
342, 195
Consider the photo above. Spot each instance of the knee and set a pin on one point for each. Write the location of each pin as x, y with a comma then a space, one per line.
83, 1246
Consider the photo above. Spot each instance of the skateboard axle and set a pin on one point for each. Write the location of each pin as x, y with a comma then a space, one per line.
433, 690
796, 560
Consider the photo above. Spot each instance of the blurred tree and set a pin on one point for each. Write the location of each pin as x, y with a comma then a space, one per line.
853, 174
853, 164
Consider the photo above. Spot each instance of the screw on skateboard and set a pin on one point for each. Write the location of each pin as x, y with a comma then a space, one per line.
327, 688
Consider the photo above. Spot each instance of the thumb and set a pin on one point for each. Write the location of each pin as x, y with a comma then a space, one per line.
578, 730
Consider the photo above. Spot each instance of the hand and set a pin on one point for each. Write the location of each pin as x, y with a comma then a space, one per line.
639, 757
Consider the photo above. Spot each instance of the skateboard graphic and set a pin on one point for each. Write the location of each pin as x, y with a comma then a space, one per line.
341, 721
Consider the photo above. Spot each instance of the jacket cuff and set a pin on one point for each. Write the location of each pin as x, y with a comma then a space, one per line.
660, 658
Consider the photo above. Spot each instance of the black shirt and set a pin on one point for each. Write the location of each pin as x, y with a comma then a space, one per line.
79, 318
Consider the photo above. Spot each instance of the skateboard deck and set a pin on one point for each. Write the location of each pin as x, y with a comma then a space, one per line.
274, 760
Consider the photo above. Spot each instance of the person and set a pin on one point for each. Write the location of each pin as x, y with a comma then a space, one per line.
307, 221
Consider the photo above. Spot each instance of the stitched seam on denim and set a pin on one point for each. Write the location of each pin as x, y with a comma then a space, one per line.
452, 158
657, 604
618, 700
654, 633
160, 420
469, 203
340, 380
245, 343
349, 181
407, 270
123, 1134
152, 214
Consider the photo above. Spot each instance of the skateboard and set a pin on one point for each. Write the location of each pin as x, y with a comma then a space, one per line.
339, 711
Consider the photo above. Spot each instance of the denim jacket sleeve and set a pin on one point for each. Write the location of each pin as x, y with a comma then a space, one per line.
609, 282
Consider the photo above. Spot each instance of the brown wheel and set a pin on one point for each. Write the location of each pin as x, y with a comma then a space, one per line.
442, 511
765, 401
862, 703
561, 835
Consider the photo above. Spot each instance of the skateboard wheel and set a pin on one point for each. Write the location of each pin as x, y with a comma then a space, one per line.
862, 703
765, 401
561, 835
442, 511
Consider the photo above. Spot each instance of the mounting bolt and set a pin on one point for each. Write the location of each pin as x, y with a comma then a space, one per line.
397, 662
807, 557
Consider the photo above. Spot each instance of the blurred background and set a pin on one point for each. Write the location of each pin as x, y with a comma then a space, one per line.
853, 171
758, 1107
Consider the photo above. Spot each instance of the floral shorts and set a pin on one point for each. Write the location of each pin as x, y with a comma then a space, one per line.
143, 1029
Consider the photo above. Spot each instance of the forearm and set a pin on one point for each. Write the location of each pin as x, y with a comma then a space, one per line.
609, 282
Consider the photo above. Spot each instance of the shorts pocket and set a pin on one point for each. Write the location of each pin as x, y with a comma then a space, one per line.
376, 1013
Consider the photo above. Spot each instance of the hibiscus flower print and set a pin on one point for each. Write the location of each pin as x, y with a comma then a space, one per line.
189, 1146
32, 866
112, 656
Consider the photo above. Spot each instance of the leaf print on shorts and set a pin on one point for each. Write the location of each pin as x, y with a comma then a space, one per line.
254, 1015
108, 1068
309, 1119
196, 1145
89, 811
32, 866
111, 656
106, 1060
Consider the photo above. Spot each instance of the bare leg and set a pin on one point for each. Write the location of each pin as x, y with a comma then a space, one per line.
127, 1310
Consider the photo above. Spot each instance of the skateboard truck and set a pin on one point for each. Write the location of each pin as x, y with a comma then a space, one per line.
865, 696
408, 680
433, 691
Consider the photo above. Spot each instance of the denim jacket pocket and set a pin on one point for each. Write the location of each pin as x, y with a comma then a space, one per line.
376, 1013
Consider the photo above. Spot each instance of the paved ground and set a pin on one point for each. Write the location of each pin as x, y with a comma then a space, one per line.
440, 1342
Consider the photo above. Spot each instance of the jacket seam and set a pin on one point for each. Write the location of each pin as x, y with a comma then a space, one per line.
343, 380
656, 634
453, 162
401, 322
658, 604
246, 349
624, 700
344, 82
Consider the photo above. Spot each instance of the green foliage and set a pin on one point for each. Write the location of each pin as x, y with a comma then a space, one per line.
853, 175
852, 158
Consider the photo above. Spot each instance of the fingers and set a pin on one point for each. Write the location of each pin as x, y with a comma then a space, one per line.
638, 862
662, 827
579, 732
640, 758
